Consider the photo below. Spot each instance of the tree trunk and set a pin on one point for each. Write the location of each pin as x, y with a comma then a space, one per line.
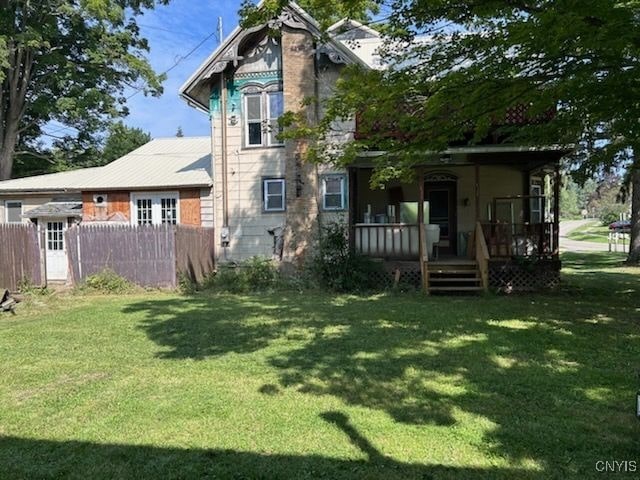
298, 71
634, 245
13, 92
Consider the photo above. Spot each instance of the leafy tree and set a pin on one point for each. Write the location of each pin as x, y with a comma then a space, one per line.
120, 141
574, 64
327, 12
605, 201
68, 61
570, 200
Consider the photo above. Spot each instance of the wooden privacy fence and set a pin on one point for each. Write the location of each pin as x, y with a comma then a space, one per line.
19, 256
145, 255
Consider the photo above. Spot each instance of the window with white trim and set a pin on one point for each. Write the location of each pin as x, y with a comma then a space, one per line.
536, 204
333, 192
13, 211
261, 113
273, 195
155, 209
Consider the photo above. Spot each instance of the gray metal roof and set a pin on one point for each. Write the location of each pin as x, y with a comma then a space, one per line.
56, 209
161, 163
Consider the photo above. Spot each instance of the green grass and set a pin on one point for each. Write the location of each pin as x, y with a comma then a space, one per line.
591, 232
322, 386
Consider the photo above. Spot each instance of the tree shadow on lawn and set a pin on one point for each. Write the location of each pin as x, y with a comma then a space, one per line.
30, 458
553, 374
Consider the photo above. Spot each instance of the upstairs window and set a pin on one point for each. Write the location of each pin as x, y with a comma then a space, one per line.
261, 113
13, 212
333, 192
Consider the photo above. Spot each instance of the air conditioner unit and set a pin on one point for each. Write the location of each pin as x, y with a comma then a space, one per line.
100, 200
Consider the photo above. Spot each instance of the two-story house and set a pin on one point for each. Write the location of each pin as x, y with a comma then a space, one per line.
498, 199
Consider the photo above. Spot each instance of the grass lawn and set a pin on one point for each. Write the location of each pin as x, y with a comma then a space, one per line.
322, 386
591, 232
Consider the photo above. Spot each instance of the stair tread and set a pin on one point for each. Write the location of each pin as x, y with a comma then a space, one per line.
455, 279
467, 271
456, 263
455, 289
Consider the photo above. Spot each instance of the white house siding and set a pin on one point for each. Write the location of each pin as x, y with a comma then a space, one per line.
206, 207
249, 225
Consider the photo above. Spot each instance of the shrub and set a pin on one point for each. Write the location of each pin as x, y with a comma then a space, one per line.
186, 285
611, 213
107, 281
26, 286
252, 275
339, 268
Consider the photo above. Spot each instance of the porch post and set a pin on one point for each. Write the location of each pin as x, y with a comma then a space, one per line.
556, 209
422, 241
526, 191
353, 207
477, 191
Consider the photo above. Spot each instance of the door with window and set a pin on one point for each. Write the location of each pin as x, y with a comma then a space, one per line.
56, 252
442, 212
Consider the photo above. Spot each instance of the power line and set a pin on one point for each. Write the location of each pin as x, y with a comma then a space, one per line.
178, 61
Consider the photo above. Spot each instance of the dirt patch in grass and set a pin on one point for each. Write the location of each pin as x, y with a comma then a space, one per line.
63, 382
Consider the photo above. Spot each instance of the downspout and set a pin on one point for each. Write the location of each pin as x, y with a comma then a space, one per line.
223, 151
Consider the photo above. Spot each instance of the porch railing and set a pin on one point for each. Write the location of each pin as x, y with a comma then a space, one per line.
519, 239
398, 241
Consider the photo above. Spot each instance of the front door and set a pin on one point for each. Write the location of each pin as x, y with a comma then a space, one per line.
442, 212
56, 252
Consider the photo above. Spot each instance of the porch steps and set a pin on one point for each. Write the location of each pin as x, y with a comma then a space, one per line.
455, 276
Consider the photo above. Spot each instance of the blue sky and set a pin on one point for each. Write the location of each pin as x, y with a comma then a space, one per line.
173, 31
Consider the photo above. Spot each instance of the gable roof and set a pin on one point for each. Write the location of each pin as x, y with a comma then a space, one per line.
161, 163
197, 95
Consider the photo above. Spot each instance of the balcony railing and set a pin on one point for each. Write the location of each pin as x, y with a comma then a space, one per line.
519, 239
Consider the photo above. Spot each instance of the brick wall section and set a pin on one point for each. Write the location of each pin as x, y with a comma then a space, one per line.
298, 72
190, 207
117, 202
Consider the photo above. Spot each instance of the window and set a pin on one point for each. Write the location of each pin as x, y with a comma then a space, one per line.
155, 209
144, 211
261, 113
536, 204
169, 210
273, 194
55, 236
333, 192
13, 212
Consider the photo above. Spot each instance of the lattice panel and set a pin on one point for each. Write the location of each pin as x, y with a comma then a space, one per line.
510, 277
410, 275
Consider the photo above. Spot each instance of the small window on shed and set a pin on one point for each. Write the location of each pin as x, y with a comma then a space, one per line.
13, 211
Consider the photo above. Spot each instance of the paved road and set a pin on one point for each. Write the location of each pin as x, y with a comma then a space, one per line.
569, 245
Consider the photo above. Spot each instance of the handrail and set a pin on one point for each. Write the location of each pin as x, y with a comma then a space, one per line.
424, 258
482, 256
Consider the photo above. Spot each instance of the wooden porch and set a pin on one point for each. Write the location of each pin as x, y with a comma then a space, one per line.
462, 263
